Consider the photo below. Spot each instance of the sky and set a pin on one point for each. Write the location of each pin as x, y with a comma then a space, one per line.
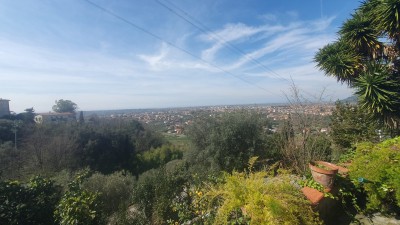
128, 54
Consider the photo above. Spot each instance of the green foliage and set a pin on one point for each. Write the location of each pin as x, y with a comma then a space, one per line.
154, 158
64, 106
107, 151
10, 161
114, 190
154, 192
113, 145
27, 117
78, 206
189, 205
310, 182
378, 166
360, 59
50, 148
351, 124
378, 92
350, 194
228, 142
6, 133
30, 203
337, 60
251, 198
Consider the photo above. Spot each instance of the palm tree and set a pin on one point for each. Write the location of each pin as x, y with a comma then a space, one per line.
379, 93
338, 60
359, 33
364, 62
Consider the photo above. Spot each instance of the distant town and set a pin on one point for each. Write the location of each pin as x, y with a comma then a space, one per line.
174, 120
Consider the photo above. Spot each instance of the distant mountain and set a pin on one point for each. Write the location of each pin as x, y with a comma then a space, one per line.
351, 99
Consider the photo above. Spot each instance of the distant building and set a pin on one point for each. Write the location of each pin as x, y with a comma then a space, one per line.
43, 118
324, 130
4, 107
178, 129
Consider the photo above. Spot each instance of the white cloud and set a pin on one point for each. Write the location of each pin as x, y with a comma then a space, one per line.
157, 61
37, 75
233, 32
299, 39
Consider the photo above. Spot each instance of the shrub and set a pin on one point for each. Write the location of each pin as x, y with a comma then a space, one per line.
227, 142
155, 191
351, 124
114, 190
154, 158
377, 166
250, 198
30, 203
78, 206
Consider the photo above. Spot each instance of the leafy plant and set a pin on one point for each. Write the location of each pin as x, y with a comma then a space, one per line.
377, 166
310, 182
114, 190
30, 203
154, 192
78, 206
154, 158
227, 142
251, 198
351, 124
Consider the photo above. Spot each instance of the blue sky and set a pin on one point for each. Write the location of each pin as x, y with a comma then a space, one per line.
246, 52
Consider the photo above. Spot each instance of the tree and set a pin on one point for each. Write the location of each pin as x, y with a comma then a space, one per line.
51, 148
63, 106
30, 203
28, 116
81, 118
366, 57
228, 142
350, 124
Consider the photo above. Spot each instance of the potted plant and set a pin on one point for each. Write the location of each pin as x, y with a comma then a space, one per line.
323, 173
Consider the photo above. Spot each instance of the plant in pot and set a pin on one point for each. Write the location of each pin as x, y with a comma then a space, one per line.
323, 173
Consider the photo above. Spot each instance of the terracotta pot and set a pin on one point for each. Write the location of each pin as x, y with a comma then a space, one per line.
324, 176
313, 195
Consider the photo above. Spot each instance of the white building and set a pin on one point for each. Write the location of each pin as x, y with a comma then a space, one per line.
41, 118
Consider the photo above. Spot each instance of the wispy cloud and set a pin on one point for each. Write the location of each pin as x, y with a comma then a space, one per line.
231, 33
296, 37
157, 61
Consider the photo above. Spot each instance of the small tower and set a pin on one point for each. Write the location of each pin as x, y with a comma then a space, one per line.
4, 107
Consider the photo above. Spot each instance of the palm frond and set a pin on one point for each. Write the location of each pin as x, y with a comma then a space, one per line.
338, 60
378, 92
359, 33
387, 18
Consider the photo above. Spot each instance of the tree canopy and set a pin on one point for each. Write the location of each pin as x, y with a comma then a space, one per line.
63, 106
366, 57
